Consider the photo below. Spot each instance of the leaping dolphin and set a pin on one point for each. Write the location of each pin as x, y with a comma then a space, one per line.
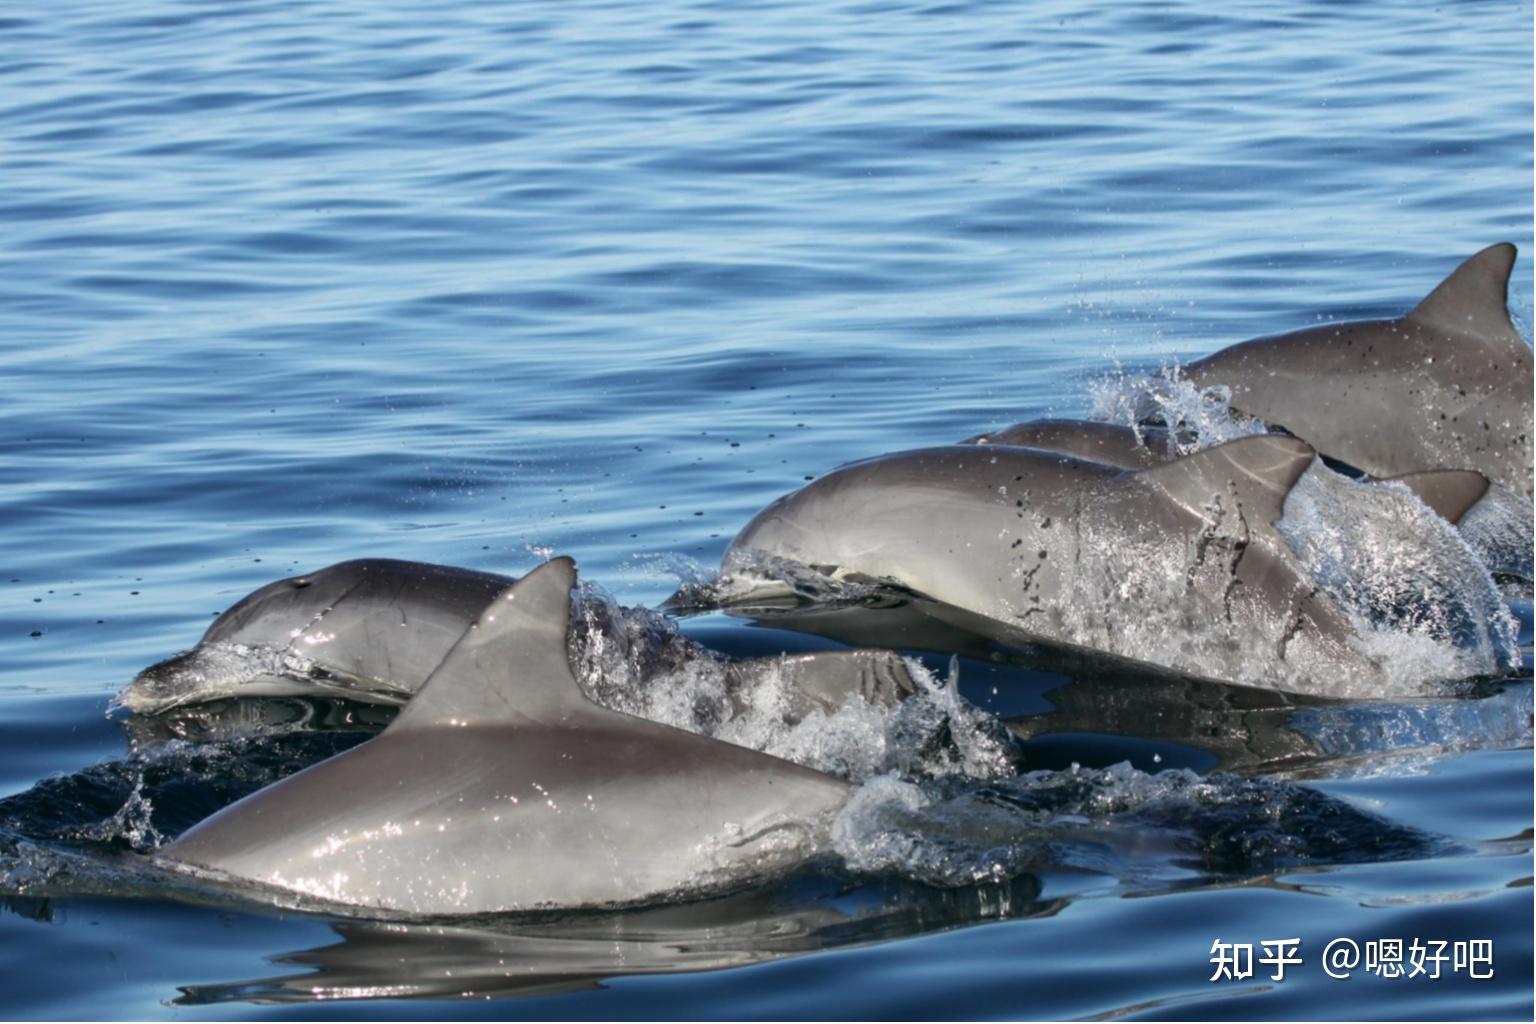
501, 787
1446, 386
1179, 564
373, 630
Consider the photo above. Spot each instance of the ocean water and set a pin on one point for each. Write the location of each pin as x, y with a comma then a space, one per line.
284, 284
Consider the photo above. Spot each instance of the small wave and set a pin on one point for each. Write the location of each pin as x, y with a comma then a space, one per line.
1499, 529
749, 579
1197, 417
934, 731
1143, 829
159, 790
209, 672
1371, 738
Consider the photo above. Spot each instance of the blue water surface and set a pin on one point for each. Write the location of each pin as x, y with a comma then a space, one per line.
284, 283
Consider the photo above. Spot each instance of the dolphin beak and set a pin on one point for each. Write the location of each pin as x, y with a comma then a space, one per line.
682, 602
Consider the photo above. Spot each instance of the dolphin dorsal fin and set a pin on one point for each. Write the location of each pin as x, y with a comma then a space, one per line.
511, 663
1258, 471
1474, 300
1450, 493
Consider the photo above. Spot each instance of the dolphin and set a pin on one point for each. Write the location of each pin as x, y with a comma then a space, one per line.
1179, 564
501, 787
373, 630
1497, 524
1446, 386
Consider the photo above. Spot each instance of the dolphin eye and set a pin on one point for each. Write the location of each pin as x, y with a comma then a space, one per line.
299, 584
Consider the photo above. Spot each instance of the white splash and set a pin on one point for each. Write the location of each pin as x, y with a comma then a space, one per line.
209, 672
1197, 417
1423, 601
1500, 528
933, 732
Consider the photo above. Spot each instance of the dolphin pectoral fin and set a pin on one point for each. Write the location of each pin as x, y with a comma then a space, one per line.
1474, 300
1450, 493
1258, 471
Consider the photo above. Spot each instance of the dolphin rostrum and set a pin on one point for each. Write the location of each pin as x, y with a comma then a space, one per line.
372, 630
1497, 524
1446, 386
501, 787
1179, 564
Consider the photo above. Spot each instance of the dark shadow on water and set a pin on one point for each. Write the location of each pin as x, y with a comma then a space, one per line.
1094, 709
1116, 831
498, 959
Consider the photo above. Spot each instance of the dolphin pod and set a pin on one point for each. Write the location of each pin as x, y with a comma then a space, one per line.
373, 630
1438, 400
501, 787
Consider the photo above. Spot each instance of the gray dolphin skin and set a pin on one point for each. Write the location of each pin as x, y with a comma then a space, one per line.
368, 630
1446, 386
1179, 565
1106, 443
373, 630
1497, 524
501, 787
